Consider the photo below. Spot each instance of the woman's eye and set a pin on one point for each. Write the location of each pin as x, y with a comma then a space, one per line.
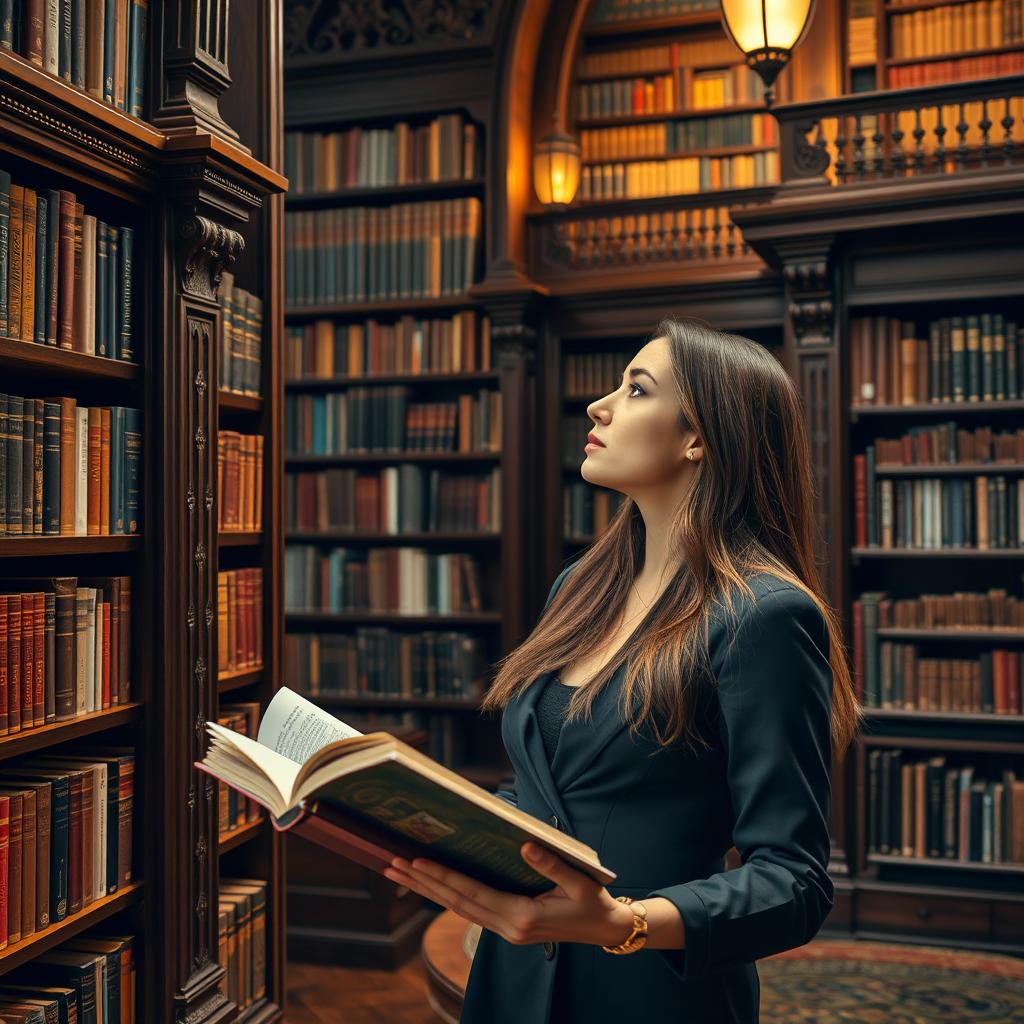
640, 389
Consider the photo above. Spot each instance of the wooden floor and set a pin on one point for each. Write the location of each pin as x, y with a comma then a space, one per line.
341, 995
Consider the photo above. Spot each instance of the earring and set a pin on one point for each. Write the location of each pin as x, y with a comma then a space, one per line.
689, 455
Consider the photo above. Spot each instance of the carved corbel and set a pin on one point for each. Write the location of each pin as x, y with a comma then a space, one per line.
809, 295
205, 250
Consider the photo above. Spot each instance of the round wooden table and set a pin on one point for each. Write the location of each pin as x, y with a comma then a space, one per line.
448, 946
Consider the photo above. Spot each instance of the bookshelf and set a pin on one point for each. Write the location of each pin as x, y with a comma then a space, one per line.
393, 465
664, 105
157, 161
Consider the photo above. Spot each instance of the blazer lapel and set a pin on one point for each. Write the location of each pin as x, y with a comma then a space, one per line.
580, 741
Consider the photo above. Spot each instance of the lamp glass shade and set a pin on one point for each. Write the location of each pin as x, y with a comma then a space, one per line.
766, 24
556, 169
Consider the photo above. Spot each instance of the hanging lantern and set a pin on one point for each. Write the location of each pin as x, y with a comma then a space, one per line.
767, 31
556, 169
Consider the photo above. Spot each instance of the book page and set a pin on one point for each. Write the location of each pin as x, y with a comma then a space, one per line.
297, 728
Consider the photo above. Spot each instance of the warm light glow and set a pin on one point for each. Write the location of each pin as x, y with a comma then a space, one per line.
556, 169
760, 24
767, 31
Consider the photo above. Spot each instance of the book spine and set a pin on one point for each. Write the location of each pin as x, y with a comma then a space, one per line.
50, 628
44, 798
5, 229
81, 471
51, 469
113, 822
65, 681
109, 40
66, 288
28, 863
60, 847
5, 842
39, 418
53, 202
102, 263
95, 49
111, 309
15, 234
28, 265
137, 66
117, 467
15, 462
28, 462
39, 661
39, 318
4, 671
133, 470
14, 871
77, 43
127, 243
64, 44
14, 663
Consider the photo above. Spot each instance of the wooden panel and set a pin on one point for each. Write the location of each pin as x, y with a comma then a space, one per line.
933, 915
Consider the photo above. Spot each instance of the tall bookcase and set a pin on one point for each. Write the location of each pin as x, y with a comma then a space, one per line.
196, 197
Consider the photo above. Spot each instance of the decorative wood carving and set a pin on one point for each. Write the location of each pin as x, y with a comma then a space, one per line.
809, 299
338, 28
194, 69
206, 250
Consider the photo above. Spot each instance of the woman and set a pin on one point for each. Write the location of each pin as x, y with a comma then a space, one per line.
707, 693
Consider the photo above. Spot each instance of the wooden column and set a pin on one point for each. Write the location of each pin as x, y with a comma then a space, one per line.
202, 249
191, 68
514, 338
813, 358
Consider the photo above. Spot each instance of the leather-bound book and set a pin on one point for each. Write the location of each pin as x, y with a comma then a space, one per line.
15, 463
85, 785
41, 269
94, 50
79, 336
51, 467
28, 266
39, 662
23, 799
14, 663
14, 870
4, 672
59, 796
124, 670
28, 461
95, 460
28, 657
68, 467
43, 792
15, 260
5, 843
66, 270
53, 203
5, 247
39, 416
104, 470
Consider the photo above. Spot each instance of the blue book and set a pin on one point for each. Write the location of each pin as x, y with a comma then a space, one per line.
51, 468
319, 438
102, 262
132, 470
125, 348
136, 84
113, 292
117, 469
52, 274
108, 50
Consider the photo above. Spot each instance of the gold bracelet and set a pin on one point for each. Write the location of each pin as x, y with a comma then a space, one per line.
638, 936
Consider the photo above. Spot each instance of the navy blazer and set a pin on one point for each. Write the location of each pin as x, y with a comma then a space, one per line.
663, 823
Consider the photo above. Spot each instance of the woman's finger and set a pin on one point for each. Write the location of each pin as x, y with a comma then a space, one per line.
575, 884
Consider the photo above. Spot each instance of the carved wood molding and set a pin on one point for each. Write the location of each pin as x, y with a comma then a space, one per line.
810, 306
333, 30
206, 250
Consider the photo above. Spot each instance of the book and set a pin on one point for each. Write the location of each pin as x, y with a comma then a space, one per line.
370, 797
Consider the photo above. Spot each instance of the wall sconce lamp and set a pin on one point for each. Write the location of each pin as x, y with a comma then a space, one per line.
767, 32
556, 167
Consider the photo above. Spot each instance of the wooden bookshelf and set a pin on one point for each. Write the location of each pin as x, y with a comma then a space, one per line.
391, 193
384, 308
196, 196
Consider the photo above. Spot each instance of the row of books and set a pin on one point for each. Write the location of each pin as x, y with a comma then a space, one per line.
395, 500
983, 512
98, 47
359, 254
69, 469
589, 374
380, 662
937, 808
234, 809
995, 610
383, 419
239, 481
640, 60
684, 90
65, 275
242, 939
862, 34
393, 580
634, 141
410, 344
65, 837
89, 978
963, 358
239, 619
679, 175
587, 510
962, 69
241, 339
897, 677
955, 28
607, 12
446, 148
948, 444
892, 674
65, 649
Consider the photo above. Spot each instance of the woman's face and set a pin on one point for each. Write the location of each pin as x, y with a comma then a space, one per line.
644, 449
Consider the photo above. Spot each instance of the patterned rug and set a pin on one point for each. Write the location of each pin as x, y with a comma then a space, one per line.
835, 982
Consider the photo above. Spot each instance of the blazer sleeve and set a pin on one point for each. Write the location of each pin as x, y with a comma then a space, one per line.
774, 688
510, 795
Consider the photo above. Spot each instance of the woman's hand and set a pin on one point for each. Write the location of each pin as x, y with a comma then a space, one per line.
578, 909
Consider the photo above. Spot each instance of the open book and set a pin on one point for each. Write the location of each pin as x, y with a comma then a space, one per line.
371, 797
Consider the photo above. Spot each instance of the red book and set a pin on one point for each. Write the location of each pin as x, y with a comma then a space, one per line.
106, 654
3, 669
1000, 687
14, 663
1015, 681
860, 492
5, 842
28, 658
39, 661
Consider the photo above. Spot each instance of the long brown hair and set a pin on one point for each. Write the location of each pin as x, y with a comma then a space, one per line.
749, 510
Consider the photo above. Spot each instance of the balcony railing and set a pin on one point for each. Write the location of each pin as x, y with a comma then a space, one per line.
628, 234
926, 131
